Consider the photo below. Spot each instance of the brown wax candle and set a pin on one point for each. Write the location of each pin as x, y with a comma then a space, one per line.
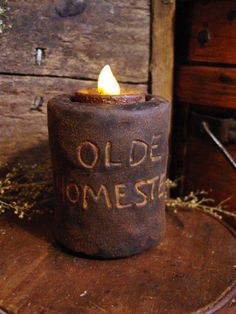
109, 156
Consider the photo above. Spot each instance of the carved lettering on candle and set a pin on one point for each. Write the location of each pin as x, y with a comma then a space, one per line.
108, 159
120, 192
153, 183
139, 192
88, 191
73, 192
136, 146
154, 155
121, 195
146, 190
88, 154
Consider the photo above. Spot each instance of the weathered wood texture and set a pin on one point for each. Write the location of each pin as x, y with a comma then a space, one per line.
22, 128
206, 166
162, 61
77, 38
209, 87
213, 32
114, 32
202, 85
219, 179
205, 84
171, 278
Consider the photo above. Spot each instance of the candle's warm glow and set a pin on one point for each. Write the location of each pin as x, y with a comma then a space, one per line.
107, 83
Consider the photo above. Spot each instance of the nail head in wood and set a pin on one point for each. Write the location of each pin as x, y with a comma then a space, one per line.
40, 56
38, 103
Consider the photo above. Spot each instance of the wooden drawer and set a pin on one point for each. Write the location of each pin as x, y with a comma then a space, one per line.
207, 86
213, 32
206, 167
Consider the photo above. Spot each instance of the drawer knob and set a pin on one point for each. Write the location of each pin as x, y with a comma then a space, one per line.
203, 37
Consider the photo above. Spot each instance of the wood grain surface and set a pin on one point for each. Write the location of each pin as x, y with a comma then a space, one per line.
220, 178
218, 19
78, 43
193, 269
162, 61
22, 128
77, 38
207, 86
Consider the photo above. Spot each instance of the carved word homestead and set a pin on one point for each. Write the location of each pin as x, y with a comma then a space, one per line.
123, 194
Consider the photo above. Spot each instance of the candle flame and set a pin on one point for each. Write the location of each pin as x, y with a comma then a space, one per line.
107, 83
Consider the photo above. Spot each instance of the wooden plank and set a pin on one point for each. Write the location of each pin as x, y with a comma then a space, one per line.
114, 32
162, 55
38, 276
218, 19
22, 128
210, 86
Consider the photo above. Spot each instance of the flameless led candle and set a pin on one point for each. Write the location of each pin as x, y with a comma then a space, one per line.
108, 91
109, 153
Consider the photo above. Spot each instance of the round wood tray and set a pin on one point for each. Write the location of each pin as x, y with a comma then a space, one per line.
192, 270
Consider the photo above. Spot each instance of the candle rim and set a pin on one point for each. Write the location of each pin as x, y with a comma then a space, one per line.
95, 98
70, 101
94, 92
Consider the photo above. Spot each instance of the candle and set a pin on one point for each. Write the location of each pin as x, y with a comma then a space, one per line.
108, 91
109, 153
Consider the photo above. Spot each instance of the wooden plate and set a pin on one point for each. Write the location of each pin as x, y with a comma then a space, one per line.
193, 269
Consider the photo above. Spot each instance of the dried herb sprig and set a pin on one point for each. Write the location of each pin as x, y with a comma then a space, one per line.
197, 201
27, 190
4, 18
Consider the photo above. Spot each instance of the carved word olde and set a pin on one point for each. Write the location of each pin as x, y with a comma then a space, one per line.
139, 152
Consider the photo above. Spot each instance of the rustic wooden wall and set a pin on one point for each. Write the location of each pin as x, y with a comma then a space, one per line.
162, 60
76, 42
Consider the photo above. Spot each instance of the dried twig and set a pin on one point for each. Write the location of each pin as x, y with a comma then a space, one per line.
4, 18
197, 201
28, 190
